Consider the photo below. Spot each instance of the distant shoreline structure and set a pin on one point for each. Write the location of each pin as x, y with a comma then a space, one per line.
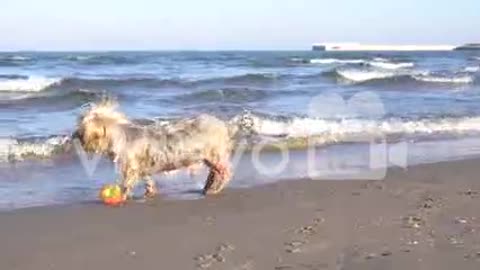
375, 47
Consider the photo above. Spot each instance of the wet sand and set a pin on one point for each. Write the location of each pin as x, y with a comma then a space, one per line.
426, 217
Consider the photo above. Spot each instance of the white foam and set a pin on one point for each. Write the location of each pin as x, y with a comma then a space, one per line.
19, 58
15, 57
377, 62
389, 65
463, 79
329, 61
335, 131
363, 75
472, 69
80, 57
14, 150
296, 59
358, 75
32, 84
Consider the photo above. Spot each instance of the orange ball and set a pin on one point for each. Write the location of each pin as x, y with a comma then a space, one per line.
111, 195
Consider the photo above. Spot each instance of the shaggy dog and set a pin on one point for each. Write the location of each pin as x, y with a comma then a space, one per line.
141, 151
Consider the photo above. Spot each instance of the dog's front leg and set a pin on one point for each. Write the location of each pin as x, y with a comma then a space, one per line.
150, 187
127, 190
129, 182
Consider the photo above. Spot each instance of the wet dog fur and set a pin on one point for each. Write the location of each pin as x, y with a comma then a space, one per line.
141, 151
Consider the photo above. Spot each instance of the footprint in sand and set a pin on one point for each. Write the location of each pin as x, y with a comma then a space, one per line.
306, 232
205, 261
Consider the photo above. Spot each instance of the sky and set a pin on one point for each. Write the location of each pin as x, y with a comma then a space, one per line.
230, 25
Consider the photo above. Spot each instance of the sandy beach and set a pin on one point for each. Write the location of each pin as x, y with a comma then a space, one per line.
423, 218
328, 136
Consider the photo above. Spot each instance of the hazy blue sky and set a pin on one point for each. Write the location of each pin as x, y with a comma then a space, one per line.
223, 24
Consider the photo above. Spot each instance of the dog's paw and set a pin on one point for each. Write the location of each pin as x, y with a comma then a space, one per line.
213, 186
126, 197
150, 194
214, 189
210, 191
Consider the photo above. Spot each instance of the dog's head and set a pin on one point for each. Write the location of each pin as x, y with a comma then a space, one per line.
97, 127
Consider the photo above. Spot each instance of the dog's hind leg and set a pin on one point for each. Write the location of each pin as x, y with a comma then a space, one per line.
150, 187
217, 178
212, 183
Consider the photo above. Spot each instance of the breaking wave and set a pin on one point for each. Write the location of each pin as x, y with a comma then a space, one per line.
37, 148
367, 75
17, 87
389, 65
27, 84
55, 100
361, 75
472, 69
380, 63
378, 71
333, 131
13, 60
329, 61
298, 130
78, 57
152, 82
101, 59
458, 79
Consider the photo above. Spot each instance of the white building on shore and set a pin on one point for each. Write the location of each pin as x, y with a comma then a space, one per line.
375, 47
